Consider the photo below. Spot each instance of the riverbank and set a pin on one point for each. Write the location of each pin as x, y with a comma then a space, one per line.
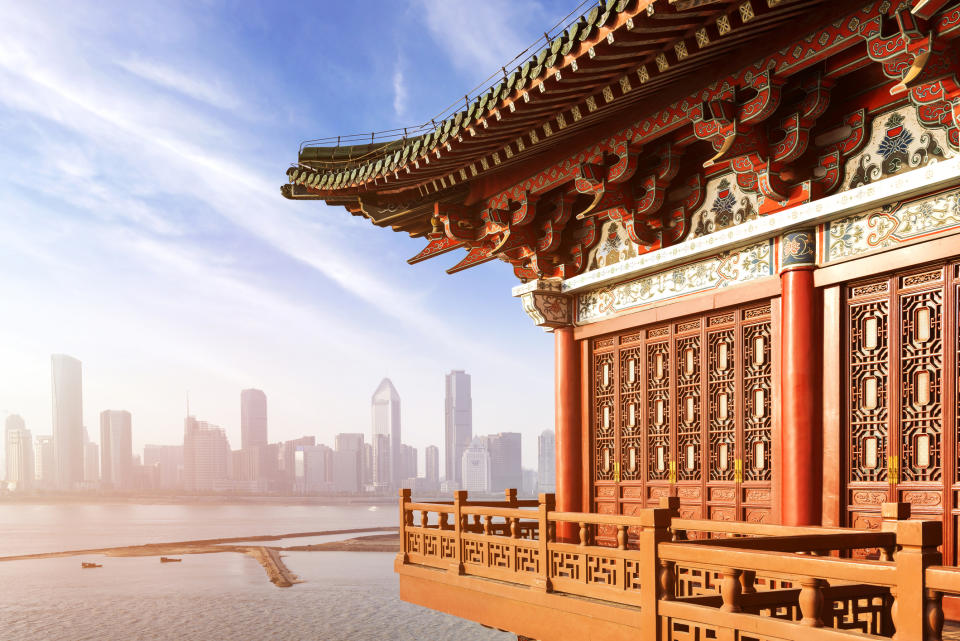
268, 556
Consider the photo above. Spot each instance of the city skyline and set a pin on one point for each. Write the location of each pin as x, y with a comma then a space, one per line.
422, 434
207, 462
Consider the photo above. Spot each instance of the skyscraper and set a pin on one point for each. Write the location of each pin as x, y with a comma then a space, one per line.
505, 469
253, 418
381, 461
168, 461
206, 453
67, 391
475, 464
45, 462
547, 462
385, 419
432, 464
457, 422
116, 449
19, 453
348, 463
409, 462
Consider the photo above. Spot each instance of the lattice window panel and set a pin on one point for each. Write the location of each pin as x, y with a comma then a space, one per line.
867, 392
658, 411
723, 403
631, 414
757, 402
604, 390
687, 410
921, 373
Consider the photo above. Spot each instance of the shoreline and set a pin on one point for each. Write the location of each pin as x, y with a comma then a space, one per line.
197, 546
269, 557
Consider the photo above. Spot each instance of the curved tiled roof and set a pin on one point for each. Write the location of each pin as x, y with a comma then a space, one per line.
619, 57
334, 168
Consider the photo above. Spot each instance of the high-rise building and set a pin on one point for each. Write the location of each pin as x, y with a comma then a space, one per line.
91, 464
475, 467
368, 463
206, 455
432, 464
18, 446
529, 483
348, 463
116, 449
253, 418
505, 469
381, 461
67, 392
314, 469
46, 462
385, 419
286, 461
168, 461
457, 422
547, 462
409, 462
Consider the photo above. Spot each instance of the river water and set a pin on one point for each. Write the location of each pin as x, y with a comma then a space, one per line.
345, 595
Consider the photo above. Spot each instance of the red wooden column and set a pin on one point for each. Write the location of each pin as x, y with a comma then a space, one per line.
567, 394
545, 303
800, 378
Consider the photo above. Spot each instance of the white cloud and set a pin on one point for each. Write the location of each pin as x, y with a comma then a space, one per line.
481, 37
399, 92
206, 89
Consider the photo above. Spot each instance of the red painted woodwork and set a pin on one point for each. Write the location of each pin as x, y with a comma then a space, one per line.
686, 409
800, 402
901, 409
569, 462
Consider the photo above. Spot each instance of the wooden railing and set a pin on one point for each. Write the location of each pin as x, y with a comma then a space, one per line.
698, 579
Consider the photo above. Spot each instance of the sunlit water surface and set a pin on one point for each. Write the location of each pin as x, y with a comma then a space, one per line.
346, 595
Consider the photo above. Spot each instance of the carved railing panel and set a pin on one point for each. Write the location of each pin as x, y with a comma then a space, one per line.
755, 581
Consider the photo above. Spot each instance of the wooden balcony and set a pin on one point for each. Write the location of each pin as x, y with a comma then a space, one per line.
522, 567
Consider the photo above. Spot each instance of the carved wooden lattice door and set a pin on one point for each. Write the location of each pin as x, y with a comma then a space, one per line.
686, 406
901, 413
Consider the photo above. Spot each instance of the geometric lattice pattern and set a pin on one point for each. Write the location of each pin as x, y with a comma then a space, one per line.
688, 403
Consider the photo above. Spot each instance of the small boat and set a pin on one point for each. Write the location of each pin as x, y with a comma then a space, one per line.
86, 564
169, 559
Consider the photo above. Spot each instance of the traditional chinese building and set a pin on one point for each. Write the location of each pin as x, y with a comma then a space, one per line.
740, 221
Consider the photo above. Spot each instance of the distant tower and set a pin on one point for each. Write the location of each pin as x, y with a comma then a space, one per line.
253, 418
432, 464
19, 449
385, 419
116, 449
547, 462
45, 461
206, 453
505, 468
457, 421
67, 390
475, 464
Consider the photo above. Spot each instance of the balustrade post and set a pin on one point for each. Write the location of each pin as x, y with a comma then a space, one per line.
547, 505
510, 494
583, 533
811, 602
404, 549
654, 530
917, 542
621, 537
730, 590
459, 498
891, 513
487, 521
514, 527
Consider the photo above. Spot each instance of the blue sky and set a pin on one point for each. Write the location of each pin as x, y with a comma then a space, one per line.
142, 147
